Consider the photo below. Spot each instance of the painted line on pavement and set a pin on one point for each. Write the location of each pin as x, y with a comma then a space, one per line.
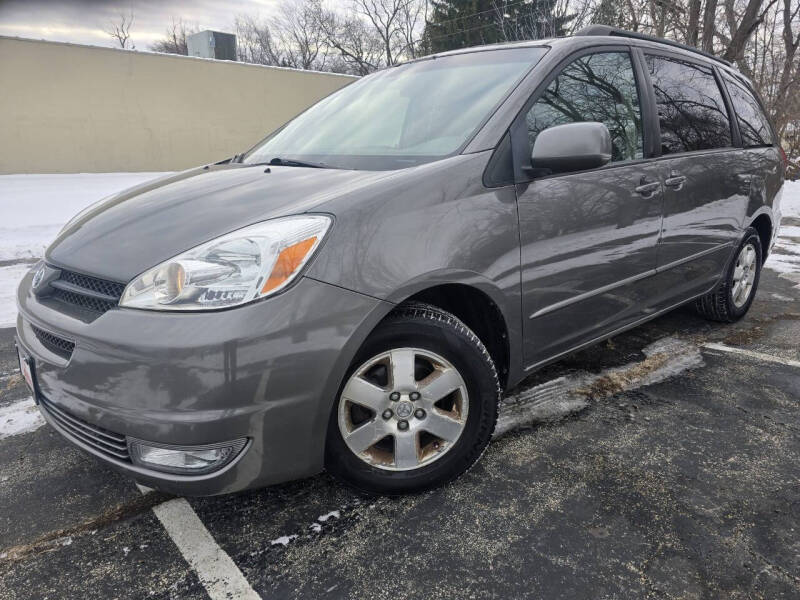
753, 354
216, 571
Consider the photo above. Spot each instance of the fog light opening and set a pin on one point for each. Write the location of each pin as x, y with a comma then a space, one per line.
184, 460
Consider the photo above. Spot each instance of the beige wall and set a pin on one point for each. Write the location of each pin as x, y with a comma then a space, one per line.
67, 108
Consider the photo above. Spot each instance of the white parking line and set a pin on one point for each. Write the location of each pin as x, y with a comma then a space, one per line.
752, 354
216, 570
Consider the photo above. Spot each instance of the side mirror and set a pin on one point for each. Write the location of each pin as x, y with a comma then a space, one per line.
572, 147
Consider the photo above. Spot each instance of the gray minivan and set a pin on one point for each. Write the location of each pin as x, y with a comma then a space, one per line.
356, 292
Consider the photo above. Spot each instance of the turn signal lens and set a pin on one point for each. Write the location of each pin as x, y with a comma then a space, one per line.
288, 261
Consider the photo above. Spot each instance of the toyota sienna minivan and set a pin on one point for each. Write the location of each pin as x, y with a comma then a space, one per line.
355, 293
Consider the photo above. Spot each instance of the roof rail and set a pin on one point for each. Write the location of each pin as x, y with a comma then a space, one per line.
599, 29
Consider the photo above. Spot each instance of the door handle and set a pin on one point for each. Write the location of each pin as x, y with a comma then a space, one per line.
646, 189
675, 180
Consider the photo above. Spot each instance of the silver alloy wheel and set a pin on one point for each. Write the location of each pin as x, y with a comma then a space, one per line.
744, 274
394, 421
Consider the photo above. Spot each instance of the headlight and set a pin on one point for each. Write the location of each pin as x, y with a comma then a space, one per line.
236, 268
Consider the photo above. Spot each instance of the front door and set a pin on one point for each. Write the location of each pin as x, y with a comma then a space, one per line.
588, 239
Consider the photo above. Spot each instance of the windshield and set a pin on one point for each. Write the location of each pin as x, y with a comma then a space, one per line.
402, 116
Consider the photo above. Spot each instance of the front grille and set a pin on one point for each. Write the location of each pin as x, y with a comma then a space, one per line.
87, 302
56, 344
108, 443
90, 293
108, 288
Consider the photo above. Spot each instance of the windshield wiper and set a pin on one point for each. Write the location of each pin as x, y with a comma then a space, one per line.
289, 162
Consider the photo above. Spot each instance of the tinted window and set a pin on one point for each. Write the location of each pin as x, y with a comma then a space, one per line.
598, 87
404, 115
691, 110
753, 124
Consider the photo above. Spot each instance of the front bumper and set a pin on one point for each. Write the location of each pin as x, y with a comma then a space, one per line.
268, 371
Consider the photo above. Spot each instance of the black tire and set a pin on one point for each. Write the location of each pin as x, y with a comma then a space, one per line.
719, 305
429, 328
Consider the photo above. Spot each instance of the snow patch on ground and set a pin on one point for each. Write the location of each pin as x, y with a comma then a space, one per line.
20, 417
33, 208
10, 277
566, 395
790, 201
315, 528
284, 540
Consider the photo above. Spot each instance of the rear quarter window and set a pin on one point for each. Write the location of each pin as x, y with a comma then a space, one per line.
753, 124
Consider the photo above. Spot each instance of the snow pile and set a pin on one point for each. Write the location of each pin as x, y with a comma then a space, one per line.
785, 257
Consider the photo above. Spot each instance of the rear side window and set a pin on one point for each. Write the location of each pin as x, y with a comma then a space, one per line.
598, 87
753, 124
691, 111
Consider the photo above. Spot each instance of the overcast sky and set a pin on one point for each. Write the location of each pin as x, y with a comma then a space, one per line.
84, 21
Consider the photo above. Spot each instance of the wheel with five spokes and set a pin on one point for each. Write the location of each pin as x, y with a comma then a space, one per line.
417, 407
732, 298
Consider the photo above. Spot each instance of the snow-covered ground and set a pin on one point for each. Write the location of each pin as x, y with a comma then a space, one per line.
785, 257
33, 208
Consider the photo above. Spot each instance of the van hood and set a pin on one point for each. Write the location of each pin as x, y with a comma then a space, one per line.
130, 232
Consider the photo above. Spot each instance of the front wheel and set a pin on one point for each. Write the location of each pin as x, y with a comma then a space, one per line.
418, 405
734, 295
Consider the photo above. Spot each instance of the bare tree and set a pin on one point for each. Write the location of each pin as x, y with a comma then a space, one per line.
255, 42
742, 25
371, 34
356, 46
299, 34
396, 23
120, 30
174, 41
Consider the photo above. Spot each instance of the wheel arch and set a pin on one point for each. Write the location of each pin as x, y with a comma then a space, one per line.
478, 311
762, 223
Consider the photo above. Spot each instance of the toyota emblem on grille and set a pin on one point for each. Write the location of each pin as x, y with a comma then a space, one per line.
37, 277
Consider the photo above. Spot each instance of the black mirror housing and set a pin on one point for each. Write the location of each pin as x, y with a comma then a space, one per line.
572, 147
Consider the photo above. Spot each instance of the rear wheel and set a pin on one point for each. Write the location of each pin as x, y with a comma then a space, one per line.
734, 295
418, 405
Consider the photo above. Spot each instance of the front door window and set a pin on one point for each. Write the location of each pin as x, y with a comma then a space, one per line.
598, 87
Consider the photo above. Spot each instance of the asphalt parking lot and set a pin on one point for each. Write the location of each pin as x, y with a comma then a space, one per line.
664, 463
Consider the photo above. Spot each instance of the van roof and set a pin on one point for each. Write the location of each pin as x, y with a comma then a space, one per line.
605, 34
